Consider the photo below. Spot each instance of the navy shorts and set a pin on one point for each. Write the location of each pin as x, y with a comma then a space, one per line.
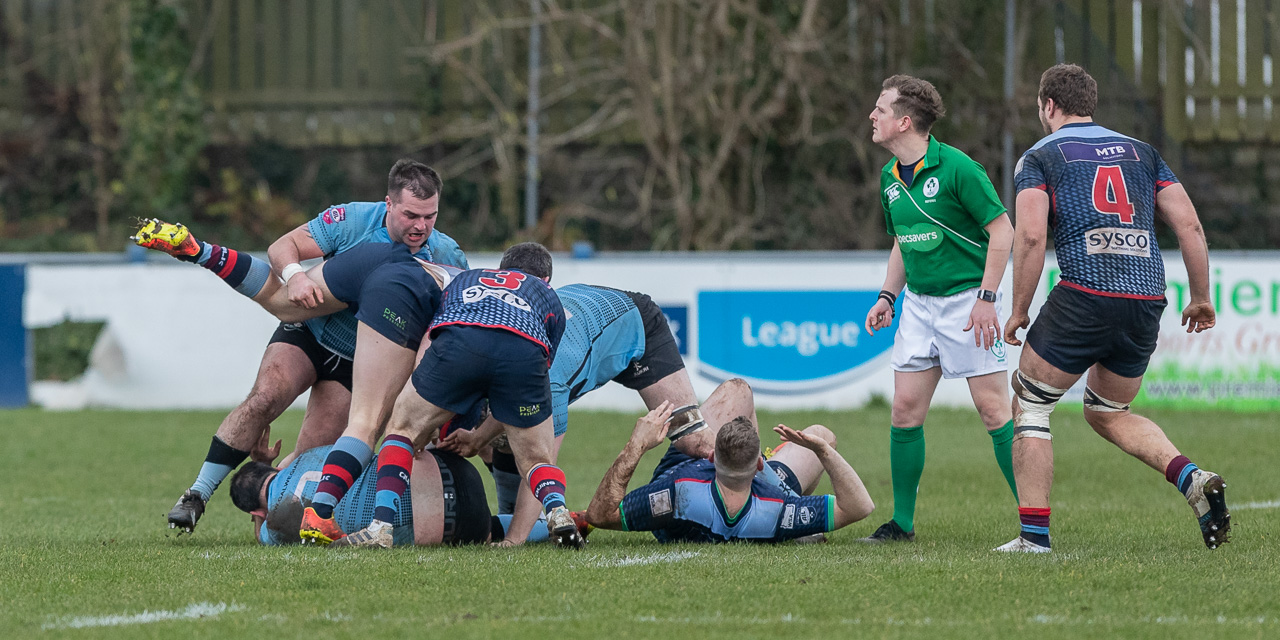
661, 356
328, 365
465, 364
389, 291
1076, 329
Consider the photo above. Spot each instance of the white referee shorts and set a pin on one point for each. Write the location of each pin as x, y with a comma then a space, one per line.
931, 333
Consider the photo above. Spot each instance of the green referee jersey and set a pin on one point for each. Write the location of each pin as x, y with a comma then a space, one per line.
940, 219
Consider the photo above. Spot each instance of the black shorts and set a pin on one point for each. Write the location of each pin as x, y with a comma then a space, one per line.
465, 364
661, 356
1076, 329
388, 290
328, 365
466, 507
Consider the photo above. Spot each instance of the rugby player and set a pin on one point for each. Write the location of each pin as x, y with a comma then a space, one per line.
611, 335
318, 354
446, 504
723, 499
1101, 191
951, 240
494, 338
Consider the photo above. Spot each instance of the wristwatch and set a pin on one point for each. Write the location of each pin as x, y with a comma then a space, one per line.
986, 295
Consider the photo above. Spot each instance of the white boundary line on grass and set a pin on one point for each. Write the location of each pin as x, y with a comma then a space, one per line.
1269, 504
191, 612
653, 558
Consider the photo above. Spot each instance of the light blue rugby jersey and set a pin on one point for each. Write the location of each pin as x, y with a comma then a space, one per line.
341, 227
603, 335
299, 480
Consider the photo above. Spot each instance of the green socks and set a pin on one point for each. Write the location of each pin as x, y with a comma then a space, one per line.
906, 463
1002, 441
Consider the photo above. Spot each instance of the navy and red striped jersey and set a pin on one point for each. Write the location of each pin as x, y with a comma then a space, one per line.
1102, 189
504, 299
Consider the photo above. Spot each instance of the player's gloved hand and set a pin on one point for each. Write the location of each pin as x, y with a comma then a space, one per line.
985, 323
303, 292
1199, 316
880, 316
263, 451
463, 442
1019, 320
810, 442
651, 428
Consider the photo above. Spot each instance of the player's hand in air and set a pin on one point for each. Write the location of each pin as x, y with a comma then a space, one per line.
303, 292
985, 324
263, 451
810, 442
1199, 316
651, 428
463, 442
1016, 321
880, 316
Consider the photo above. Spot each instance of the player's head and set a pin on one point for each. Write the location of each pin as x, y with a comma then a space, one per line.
249, 486
529, 257
413, 200
1066, 91
907, 106
737, 454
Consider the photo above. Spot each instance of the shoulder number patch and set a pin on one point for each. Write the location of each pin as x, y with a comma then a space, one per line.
660, 502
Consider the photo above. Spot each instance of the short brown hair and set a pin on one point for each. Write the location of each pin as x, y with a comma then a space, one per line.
738, 445
422, 181
1071, 88
916, 98
529, 257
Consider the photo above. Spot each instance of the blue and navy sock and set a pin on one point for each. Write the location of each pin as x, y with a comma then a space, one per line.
506, 481
539, 532
395, 465
548, 485
221, 460
345, 462
1179, 473
246, 274
1035, 524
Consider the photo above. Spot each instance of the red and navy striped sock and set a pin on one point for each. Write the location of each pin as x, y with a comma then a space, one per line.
1179, 473
395, 465
1035, 524
242, 271
548, 485
345, 462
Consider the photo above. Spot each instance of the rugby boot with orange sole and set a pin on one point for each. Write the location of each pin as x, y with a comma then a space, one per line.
167, 237
317, 530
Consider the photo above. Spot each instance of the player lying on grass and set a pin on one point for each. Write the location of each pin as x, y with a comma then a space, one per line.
624, 337
316, 354
723, 499
446, 504
494, 338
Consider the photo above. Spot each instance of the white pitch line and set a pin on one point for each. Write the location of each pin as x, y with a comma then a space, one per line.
639, 561
192, 612
1269, 504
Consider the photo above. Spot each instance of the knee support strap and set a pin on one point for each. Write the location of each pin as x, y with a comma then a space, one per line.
1036, 400
684, 421
1095, 402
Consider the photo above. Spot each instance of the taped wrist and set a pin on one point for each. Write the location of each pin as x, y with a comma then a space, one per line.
1095, 402
684, 421
1036, 400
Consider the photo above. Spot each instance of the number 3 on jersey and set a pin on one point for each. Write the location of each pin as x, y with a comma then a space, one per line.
1110, 194
503, 279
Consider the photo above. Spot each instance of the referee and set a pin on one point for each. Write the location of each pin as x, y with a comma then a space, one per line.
951, 245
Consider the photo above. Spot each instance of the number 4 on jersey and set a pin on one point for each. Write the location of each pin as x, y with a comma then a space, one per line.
1110, 194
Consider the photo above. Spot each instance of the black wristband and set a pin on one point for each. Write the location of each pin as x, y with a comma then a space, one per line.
889, 296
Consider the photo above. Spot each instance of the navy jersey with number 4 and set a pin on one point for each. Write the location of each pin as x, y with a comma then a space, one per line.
504, 299
684, 505
1102, 189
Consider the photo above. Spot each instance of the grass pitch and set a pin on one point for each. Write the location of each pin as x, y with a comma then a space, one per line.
84, 551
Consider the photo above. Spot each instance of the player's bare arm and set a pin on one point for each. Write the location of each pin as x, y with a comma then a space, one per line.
1175, 208
983, 320
469, 442
1032, 206
853, 503
650, 431
881, 313
285, 254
